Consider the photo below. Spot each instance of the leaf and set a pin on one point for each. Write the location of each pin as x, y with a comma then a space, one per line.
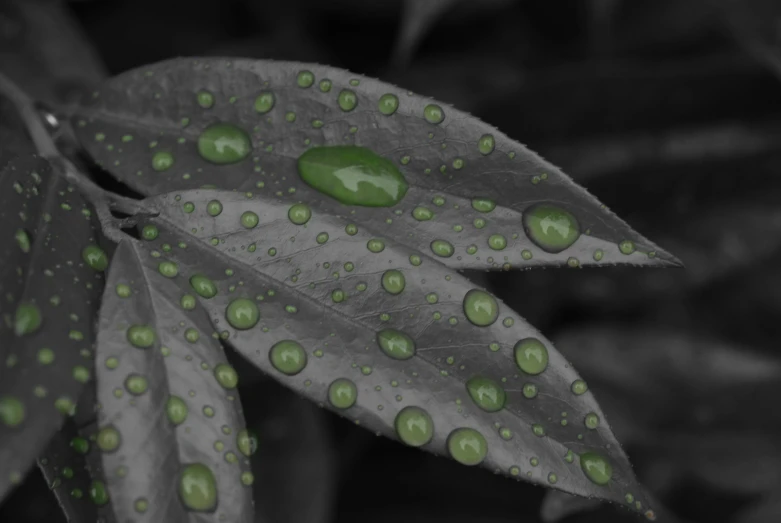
170, 422
71, 465
336, 313
49, 294
144, 127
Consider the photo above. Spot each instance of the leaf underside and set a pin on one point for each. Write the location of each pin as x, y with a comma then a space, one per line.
45, 225
135, 386
292, 274
153, 110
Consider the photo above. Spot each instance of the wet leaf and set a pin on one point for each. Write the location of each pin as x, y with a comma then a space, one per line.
50, 283
259, 123
72, 467
388, 337
171, 429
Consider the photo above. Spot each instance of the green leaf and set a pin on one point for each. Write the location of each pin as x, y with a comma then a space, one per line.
171, 428
49, 296
387, 337
155, 128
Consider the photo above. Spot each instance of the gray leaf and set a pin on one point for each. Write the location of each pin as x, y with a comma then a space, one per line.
172, 434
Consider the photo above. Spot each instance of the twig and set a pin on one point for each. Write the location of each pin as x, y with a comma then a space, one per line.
104, 201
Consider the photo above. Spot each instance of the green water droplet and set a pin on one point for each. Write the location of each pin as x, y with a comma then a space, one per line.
176, 410
226, 376
375, 245
342, 393
305, 79
141, 336
12, 411
596, 468
288, 357
352, 175
224, 143
442, 248
95, 257
81, 374
415, 260
422, 214
23, 240
351, 229
79, 445
433, 113
188, 302
591, 421
414, 426
388, 104
198, 488
244, 443
162, 161
626, 247
203, 286
322, 238
149, 232
538, 430
598, 254
467, 446
530, 390
486, 144
393, 281
531, 356
242, 314
347, 100
550, 228
396, 344
578, 387
249, 220
123, 290
299, 213
205, 99
108, 439
337, 295
432, 298
27, 319
168, 269
483, 204
141, 505
264, 102
497, 242
480, 308
486, 393
98, 493
214, 208
136, 384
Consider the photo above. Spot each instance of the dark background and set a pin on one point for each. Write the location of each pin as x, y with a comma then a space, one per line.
669, 111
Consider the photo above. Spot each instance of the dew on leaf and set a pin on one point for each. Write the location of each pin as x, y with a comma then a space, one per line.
123, 290
264, 102
95, 257
305, 79
242, 314
22, 240
205, 99
249, 220
176, 410
414, 426
480, 308
531, 356
342, 393
149, 232
442, 248
591, 421
108, 439
141, 336
299, 213
12, 412
375, 245
288, 357
226, 376
483, 204
393, 281
347, 100
388, 104
162, 161
550, 228
422, 214
497, 242
27, 319
214, 208
98, 493
396, 344
486, 144
467, 446
626, 247
136, 384
579, 387
168, 269
486, 393
203, 286
433, 113
198, 488
596, 468
224, 143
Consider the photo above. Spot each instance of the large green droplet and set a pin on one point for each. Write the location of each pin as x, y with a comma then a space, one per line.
264, 102
203, 286
98, 493
141, 336
347, 100
393, 281
242, 314
198, 488
396, 344
486, 393
353, 175
552, 229
27, 319
480, 308
226, 376
433, 113
531, 356
342, 393
388, 104
414, 426
288, 357
442, 248
176, 410
483, 204
299, 213
11, 411
224, 143
95, 257
467, 446
596, 468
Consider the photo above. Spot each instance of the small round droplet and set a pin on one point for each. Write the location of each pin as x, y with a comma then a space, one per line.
188, 302
467, 446
136, 384
198, 488
214, 208
27, 319
205, 99
497, 242
224, 143
168, 269
226, 376
108, 439
176, 410
433, 113
531, 356
393, 281
288, 357
299, 213
347, 100
530, 390
486, 393
480, 308
249, 220
388, 104
375, 245
396, 344
442, 248
162, 161
626, 247
203, 286
342, 393
305, 79
141, 336
337, 295
149, 232
264, 102
596, 468
579, 387
95, 257
486, 144
550, 228
422, 214
591, 421
322, 238
242, 314
414, 426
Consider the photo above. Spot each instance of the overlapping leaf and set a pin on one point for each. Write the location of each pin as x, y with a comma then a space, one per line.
50, 283
144, 127
313, 304
171, 429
